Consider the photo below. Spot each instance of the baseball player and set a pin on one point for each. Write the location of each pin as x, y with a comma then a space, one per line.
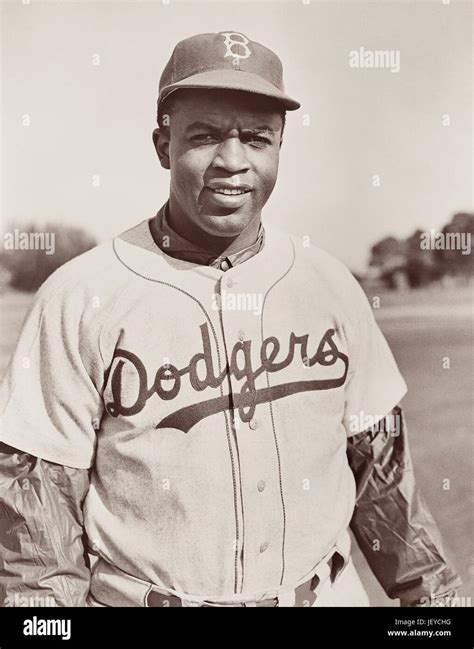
198, 409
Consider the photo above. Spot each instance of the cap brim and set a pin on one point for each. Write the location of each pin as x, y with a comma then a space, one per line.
232, 80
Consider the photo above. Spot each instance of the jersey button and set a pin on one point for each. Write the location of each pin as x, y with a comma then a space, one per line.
263, 547
229, 283
261, 485
241, 335
253, 423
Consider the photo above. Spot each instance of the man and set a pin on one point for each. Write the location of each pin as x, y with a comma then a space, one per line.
190, 394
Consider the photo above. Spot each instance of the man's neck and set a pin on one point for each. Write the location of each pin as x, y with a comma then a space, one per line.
217, 245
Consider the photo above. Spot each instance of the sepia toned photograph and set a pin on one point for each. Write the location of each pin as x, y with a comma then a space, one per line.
236, 316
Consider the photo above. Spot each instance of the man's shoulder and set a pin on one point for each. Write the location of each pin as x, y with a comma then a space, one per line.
323, 274
322, 262
94, 272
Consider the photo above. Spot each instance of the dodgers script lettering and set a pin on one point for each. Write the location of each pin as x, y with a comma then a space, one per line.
168, 378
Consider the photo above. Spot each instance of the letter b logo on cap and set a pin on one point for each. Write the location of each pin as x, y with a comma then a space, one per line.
241, 43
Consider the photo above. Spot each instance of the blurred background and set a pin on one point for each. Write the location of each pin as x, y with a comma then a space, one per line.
374, 165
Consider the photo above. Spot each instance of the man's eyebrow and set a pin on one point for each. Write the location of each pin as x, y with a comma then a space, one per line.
210, 127
260, 129
200, 125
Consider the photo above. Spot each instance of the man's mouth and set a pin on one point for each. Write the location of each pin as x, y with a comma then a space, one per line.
228, 188
229, 192
227, 195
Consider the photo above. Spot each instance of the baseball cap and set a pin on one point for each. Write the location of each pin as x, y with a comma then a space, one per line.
227, 60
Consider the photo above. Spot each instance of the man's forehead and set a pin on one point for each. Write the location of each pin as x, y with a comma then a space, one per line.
222, 106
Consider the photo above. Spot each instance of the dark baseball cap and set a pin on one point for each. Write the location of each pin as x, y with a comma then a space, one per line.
227, 60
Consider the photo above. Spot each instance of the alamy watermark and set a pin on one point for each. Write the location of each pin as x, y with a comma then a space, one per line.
18, 240
39, 626
238, 302
26, 601
451, 601
434, 240
383, 59
392, 423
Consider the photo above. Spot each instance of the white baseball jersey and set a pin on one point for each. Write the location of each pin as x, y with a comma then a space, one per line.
212, 407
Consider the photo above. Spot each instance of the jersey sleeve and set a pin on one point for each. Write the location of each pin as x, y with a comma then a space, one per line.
49, 399
375, 384
42, 557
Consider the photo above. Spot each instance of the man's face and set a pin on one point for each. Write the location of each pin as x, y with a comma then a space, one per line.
223, 152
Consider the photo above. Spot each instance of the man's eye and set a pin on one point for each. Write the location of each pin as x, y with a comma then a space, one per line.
203, 137
257, 140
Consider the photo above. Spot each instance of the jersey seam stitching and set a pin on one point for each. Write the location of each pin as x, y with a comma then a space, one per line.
275, 437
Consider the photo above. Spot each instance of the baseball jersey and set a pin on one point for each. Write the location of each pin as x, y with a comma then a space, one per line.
212, 407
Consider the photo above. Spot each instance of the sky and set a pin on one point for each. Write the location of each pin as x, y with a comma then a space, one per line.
79, 82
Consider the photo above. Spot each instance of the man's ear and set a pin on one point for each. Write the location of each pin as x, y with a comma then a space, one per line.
161, 140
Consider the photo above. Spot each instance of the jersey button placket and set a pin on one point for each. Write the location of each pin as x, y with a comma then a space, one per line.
253, 436
233, 324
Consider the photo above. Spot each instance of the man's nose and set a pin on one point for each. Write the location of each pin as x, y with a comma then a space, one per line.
231, 156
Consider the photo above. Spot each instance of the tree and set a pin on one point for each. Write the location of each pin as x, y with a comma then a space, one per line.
422, 265
388, 252
27, 261
456, 257
425, 257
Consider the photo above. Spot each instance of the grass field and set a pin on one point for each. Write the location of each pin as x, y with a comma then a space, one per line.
423, 328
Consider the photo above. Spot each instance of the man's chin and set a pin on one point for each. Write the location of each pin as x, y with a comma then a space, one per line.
223, 224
